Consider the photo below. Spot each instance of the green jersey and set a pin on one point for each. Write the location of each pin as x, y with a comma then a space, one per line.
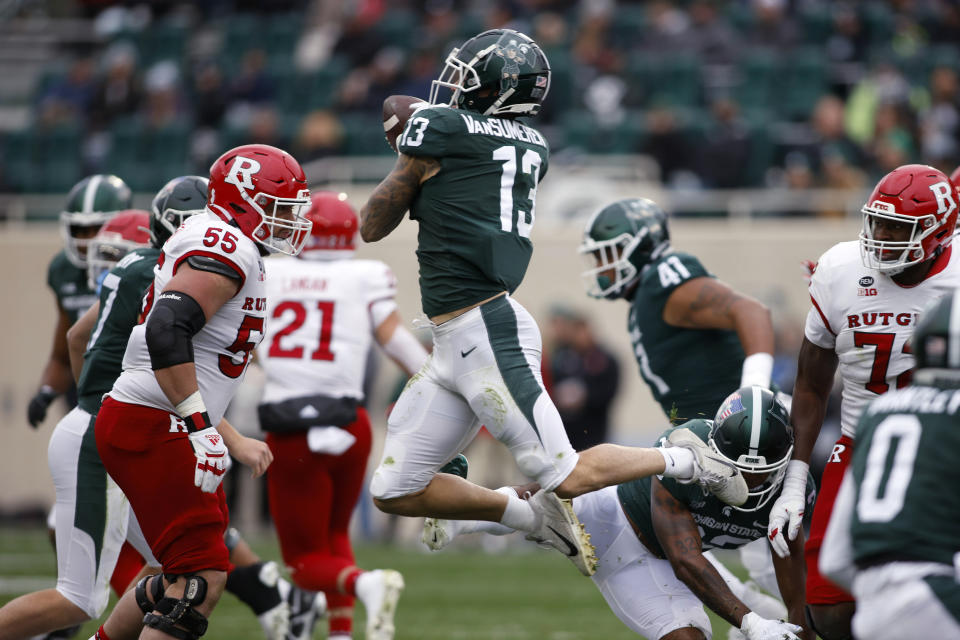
689, 371
721, 526
476, 213
70, 286
907, 505
121, 295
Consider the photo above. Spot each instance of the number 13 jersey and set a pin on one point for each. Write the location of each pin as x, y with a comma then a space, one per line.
477, 212
868, 319
222, 347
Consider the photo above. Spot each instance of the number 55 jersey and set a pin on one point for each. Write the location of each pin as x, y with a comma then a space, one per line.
222, 347
867, 318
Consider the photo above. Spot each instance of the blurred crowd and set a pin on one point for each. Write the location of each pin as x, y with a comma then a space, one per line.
722, 94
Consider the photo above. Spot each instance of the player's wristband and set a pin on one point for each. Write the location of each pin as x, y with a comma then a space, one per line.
48, 393
795, 478
194, 412
757, 369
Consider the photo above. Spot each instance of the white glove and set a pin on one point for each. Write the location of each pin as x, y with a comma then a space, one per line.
756, 628
787, 511
212, 457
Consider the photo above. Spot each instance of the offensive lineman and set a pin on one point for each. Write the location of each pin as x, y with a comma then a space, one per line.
324, 310
203, 315
865, 299
468, 173
894, 537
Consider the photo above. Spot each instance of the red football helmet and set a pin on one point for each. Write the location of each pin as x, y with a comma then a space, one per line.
335, 224
124, 232
955, 179
265, 191
916, 195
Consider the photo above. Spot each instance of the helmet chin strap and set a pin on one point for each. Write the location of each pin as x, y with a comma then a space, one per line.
499, 101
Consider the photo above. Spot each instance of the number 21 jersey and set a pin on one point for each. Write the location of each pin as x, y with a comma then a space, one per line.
868, 319
222, 347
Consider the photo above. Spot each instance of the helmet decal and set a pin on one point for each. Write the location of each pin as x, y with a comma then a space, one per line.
241, 173
943, 192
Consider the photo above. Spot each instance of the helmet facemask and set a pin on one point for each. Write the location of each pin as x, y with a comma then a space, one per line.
601, 256
876, 254
283, 227
103, 253
70, 223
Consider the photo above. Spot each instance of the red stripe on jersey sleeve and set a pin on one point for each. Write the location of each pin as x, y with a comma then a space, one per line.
823, 317
216, 256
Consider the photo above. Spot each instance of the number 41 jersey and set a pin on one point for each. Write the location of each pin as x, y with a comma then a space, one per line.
222, 347
867, 318
477, 212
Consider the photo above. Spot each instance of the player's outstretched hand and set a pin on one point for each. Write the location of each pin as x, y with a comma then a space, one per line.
786, 515
211, 453
253, 453
756, 628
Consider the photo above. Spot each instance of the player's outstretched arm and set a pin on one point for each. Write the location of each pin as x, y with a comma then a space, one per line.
680, 540
393, 196
401, 345
792, 579
708, 303
79, 335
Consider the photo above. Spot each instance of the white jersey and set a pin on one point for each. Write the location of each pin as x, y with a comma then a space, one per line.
321, 320
867, 318
222, 347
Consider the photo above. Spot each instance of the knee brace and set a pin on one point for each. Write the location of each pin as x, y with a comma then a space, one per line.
155, 588
174, 611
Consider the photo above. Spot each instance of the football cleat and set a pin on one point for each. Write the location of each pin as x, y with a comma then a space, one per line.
437, 533
711, 471
560, 529
305, 608
381, 603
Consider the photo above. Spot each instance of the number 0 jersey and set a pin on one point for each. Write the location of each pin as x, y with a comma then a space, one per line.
905, 472
222, 347
867, 318
320, 324
476, 214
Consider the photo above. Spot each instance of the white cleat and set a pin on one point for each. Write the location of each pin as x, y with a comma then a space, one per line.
560, 529
380, 601
715, 474
438, 533
275, 622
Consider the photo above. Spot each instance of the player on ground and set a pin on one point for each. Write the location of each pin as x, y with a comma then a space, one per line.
652, 535
865, 299
694, 337
325, 309
90, 203
894, 537
468, 173
203, 314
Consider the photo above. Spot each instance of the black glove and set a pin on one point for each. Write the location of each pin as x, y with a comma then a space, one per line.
37, 409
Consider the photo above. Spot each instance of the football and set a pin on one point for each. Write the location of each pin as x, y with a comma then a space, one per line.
396, 112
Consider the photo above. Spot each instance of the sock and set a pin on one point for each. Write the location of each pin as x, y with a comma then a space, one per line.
347, 581
100, 634
256, 586
340, 608
518, 515
679, 462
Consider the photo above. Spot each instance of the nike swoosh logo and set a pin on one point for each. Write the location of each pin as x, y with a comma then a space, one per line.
571, 548
464, 354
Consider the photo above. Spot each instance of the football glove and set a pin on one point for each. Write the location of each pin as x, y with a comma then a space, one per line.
39, 403
787, 511
211, 455
754, 627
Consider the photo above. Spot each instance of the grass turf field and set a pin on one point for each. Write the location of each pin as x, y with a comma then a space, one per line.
450, 595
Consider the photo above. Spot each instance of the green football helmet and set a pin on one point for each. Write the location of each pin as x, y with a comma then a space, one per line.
178, 200
90, 203
498, 72
622, 237
752, 430
936, 343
